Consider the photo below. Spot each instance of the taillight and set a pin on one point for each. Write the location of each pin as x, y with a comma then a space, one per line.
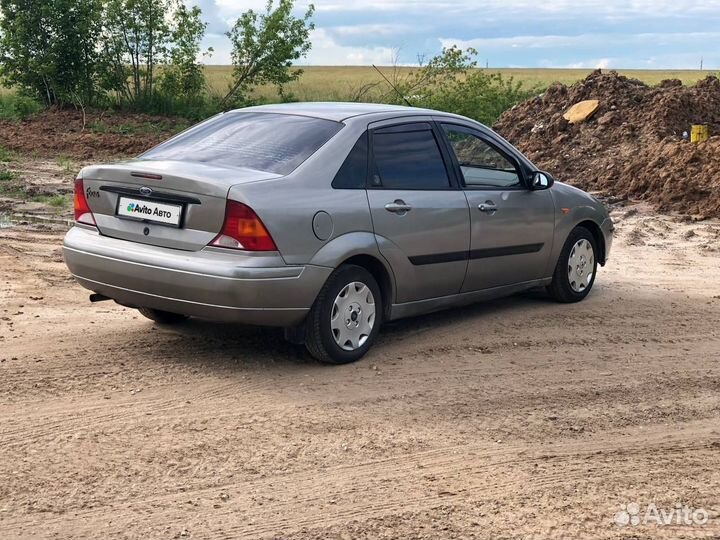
83, 214
242, 229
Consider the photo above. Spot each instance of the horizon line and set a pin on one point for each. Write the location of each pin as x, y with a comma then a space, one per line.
390, 66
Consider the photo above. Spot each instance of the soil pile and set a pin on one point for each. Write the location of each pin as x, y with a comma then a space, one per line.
97, 135
633, 146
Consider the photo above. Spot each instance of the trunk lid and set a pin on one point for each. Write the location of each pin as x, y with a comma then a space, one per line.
195, 191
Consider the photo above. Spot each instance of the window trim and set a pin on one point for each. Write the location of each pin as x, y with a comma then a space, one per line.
405, 127
413, 125
522, 186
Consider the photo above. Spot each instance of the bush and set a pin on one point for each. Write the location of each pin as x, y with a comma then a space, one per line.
6, 155
451, 82
164, 103
17, 107
481, 96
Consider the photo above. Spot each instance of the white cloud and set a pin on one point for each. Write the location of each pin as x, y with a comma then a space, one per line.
233, 8
603, 63
221, 50
326, 51
600, 63
613, 8
584, 33
581, 40
370, 30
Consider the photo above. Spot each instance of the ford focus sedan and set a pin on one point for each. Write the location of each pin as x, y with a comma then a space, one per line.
328, 219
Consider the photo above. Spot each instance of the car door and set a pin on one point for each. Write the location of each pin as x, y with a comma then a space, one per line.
420, 216
511, 226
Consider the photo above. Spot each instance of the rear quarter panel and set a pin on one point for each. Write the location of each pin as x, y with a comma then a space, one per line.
288, 205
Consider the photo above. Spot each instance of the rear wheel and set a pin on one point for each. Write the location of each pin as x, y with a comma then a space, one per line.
162, 317
345, 318
576, 268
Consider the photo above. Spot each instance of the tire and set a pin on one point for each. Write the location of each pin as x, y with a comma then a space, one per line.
162, 317
326, 339
572, 283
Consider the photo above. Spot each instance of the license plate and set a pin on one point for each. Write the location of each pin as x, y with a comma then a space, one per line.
157, 212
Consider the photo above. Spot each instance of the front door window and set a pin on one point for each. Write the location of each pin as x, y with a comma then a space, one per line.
481, 165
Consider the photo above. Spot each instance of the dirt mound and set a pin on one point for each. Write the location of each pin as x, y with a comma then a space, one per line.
633, 145
103, 134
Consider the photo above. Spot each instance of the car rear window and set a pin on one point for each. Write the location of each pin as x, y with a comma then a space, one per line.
269, 142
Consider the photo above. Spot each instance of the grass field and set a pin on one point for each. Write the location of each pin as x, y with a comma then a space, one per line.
338, 83
328, 83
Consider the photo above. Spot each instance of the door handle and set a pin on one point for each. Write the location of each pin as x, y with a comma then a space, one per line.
398, 207
488, 207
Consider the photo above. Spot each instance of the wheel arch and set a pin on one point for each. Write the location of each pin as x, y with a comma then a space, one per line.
598, 236
381, 274
361, 249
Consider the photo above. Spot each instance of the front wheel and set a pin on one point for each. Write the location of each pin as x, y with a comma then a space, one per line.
576, 268
345, 318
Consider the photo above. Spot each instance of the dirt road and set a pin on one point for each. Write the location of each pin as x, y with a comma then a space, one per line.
519, 418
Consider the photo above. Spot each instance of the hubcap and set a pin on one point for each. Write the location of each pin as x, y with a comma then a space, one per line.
353, 316
581, 265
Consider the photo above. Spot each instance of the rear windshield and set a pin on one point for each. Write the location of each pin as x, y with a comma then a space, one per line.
269, 142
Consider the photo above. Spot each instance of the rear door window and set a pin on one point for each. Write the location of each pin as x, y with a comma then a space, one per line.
408, 158
270, 142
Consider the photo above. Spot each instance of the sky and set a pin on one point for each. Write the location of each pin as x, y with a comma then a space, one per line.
642, 34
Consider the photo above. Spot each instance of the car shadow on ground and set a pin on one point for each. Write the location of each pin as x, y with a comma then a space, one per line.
440, 320
227, 345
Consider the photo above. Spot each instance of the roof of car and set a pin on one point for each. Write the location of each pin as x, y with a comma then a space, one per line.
337, 111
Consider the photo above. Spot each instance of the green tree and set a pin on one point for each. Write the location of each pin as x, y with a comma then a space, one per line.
442, 70
134, 42
184, 77
265, 46
48, 48
77, 28
149, 52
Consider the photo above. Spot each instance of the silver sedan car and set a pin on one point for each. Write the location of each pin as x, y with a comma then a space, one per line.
328, 219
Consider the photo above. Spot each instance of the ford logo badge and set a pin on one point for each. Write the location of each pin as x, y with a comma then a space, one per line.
146, 191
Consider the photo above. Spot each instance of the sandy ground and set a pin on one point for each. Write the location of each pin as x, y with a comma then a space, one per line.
519, 418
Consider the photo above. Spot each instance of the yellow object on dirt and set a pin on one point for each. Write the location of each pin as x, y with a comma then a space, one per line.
581, 111
699, 133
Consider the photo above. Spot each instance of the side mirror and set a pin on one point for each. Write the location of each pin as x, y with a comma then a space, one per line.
541, 180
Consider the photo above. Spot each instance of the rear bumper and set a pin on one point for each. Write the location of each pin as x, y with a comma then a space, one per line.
211, 283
